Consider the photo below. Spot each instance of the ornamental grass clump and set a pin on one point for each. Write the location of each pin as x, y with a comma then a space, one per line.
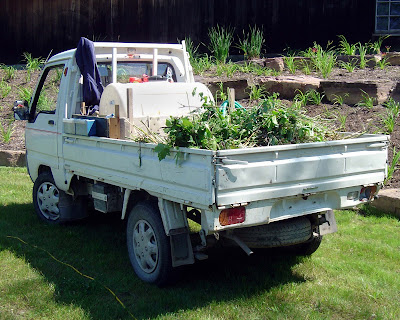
220, 42
252, 42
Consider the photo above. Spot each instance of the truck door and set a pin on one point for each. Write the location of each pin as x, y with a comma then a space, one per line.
41, 131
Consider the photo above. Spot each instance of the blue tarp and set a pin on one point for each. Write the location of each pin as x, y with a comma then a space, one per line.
92, 86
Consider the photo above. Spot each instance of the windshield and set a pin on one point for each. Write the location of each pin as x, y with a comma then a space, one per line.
129, 71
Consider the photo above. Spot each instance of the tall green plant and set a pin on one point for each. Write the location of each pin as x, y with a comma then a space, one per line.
324, 60
32, 64
220, 42
252, 42
393, 166
6, 132
362, 50
345, 47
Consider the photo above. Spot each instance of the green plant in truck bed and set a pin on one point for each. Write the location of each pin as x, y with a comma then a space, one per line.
270, 123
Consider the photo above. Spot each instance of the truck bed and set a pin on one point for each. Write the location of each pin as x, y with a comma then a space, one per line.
203, 178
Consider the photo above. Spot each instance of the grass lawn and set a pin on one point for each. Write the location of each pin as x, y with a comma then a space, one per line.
354, 275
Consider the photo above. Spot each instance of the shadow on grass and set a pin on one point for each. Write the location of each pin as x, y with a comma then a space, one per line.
96, 246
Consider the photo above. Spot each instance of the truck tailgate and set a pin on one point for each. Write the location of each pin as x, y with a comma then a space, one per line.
246, 175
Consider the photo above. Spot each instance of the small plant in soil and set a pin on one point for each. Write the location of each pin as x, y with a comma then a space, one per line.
252, 42
5, 89
324, 60
382, 63
338, 100
220, 42
32, 64
345, 47
342, 120
290, 63
350, 66
376, 46
362, 50
191, 48
393, 106
256, 93
301, 97
202, 64
366, 101
220, 94
389, 121
314, 97
9, 71
6, 132
393, 166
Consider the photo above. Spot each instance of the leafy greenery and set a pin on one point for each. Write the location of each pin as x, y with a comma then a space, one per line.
252, 42
220, 42
270, 123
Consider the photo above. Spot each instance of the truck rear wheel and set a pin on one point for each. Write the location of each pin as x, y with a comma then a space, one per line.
308, 248
148, 246
46, 198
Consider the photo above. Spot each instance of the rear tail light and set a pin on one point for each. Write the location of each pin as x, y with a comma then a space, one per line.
232, 216
367, 193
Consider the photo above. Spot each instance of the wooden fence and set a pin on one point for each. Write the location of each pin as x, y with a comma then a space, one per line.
38, 26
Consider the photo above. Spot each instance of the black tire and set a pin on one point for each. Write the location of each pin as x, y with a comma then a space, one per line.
308, 248
46, 198
276, 234
148, 246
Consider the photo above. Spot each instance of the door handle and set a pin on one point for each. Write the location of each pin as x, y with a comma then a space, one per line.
51, 122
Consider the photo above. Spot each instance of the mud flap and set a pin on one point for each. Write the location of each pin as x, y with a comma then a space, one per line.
181, 247
330, 225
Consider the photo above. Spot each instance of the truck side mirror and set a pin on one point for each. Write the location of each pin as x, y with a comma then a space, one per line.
21, 110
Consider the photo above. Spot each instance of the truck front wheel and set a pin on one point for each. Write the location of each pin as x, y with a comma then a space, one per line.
148, 246
46, 198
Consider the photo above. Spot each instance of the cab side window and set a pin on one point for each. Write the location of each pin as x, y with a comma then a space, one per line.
45, 100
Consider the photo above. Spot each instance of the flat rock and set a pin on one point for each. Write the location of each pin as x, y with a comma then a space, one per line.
11, 158
388, 201
274, 64
352, 91
287, 86
393, 58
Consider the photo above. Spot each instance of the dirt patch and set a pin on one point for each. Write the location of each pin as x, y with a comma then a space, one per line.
343, 118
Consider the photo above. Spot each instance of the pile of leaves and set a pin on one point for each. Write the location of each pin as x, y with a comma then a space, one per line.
215, 128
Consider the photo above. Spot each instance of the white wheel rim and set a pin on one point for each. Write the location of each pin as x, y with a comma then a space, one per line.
145, 246
48, 199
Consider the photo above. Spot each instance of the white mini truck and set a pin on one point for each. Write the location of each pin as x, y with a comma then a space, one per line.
253, 197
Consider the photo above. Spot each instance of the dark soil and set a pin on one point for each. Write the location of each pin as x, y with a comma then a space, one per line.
359, 119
